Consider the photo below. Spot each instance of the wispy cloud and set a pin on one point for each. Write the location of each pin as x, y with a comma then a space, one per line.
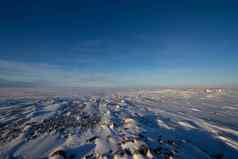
53, 74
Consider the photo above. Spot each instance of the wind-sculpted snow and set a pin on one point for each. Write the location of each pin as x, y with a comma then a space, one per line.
164, 124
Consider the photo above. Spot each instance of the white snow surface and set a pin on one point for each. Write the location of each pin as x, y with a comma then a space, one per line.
163, 124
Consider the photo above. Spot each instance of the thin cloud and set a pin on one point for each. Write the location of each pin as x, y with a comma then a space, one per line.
29, 72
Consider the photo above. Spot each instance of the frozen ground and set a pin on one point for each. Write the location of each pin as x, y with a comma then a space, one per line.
166, 124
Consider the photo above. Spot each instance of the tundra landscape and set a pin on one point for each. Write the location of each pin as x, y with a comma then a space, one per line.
161, 123
118, 79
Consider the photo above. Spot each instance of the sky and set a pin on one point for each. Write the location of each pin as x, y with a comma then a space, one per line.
123, 43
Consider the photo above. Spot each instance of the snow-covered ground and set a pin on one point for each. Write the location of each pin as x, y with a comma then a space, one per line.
166, 124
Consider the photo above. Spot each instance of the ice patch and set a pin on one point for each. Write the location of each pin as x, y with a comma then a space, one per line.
196, 110
228, 141
186, 125
163, 124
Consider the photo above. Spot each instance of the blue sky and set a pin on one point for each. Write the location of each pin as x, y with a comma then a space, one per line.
119, 43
